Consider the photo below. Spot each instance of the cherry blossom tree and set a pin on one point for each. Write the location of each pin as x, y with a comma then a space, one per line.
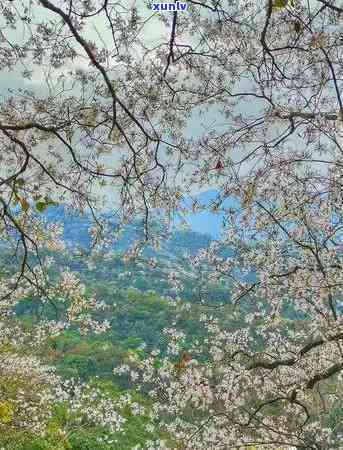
243, 96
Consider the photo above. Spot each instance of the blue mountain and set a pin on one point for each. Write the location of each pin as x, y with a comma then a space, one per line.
203, 227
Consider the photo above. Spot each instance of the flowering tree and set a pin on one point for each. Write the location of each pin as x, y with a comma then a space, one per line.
265, 78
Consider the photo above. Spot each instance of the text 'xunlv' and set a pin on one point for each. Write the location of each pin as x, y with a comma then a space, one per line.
178, 6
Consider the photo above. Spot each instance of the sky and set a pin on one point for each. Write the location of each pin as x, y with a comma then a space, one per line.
154, 34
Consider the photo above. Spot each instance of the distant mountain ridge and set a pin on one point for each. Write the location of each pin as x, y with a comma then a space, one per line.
206, 224
203, 227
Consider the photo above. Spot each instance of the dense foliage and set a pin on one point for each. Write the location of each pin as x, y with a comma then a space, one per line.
124, 114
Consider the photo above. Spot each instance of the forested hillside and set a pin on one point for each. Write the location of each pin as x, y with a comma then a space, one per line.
171, 225
140, 304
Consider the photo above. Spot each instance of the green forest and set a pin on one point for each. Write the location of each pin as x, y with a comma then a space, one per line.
171, 225
138, 312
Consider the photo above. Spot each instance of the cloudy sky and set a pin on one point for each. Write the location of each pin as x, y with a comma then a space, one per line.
153, 33
42, 80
